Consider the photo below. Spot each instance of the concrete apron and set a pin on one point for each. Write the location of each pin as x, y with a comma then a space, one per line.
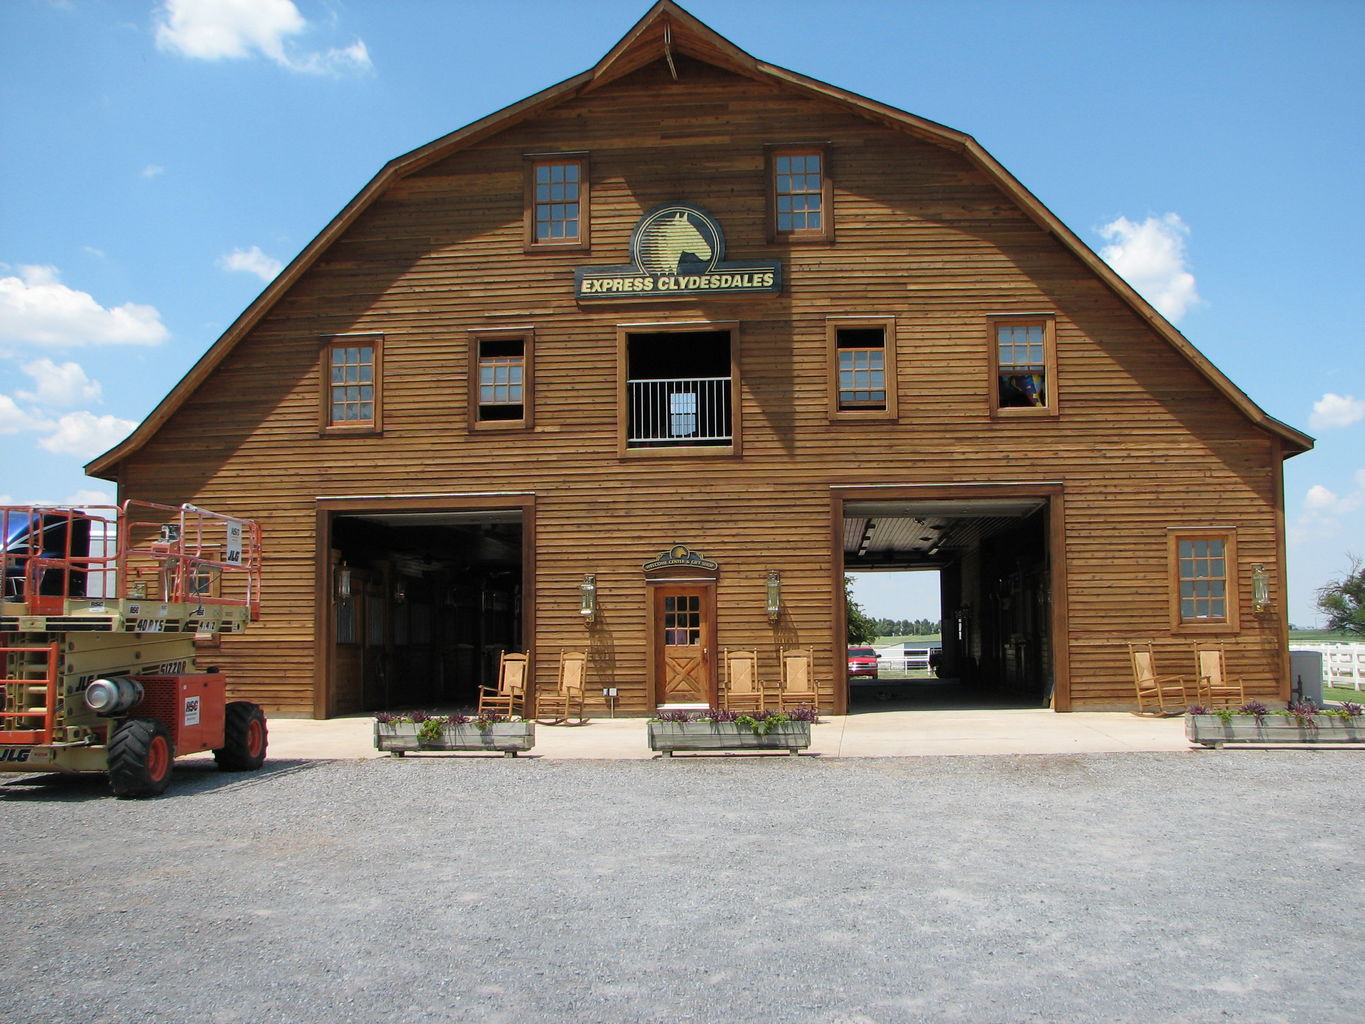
868, 734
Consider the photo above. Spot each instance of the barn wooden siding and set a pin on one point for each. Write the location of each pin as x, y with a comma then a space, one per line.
1144, 441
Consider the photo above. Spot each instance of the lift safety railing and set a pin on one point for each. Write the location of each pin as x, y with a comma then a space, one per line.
140, 551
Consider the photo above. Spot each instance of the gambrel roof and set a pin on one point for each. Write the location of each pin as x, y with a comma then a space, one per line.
663, 33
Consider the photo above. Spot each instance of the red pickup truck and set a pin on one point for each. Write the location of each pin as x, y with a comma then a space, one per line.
862, 663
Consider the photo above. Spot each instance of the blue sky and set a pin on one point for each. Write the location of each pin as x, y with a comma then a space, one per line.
160, 161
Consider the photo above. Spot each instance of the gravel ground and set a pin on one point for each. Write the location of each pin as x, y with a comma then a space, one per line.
1119, 887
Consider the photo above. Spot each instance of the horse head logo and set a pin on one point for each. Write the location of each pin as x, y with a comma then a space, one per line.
663, 241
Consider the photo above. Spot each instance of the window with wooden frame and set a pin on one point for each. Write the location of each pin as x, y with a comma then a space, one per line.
557, 201
500, 379
862, 367
679, 389
351, 378
1023, 365
800, 193
1203, 570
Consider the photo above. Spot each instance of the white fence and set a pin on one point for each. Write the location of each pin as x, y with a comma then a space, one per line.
904, 659
1343, 665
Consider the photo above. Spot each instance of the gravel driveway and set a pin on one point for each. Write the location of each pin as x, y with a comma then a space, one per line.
1184, 887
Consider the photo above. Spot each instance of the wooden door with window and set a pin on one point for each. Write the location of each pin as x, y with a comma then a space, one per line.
683, 645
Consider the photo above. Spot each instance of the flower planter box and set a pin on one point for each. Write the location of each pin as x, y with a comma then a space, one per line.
1214, 731
508, 737
670, 736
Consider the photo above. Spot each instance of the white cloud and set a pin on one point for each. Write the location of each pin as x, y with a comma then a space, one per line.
1332, 411
353, 59
65, 385
153, 171
1151, 257
253, 261
14, 419
86, 435
1325, 512
37, 309
85, 498
237, 29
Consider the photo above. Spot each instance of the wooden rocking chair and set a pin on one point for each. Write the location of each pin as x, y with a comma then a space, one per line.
798, 680
743, 691
509, 697
556, 705
1165, 694
1217, 688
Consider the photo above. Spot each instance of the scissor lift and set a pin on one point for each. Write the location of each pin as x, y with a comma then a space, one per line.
101, 611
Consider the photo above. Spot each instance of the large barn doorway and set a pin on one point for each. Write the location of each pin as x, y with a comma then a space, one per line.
995, 569
422, 605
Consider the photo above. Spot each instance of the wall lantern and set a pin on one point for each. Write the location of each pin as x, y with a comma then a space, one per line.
400, 592
587, 599
343, 581
774, 592
1260, 588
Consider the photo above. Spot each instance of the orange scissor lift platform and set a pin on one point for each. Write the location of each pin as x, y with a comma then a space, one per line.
99, 619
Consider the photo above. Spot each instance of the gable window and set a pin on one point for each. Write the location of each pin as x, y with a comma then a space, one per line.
1023, 365
500, 395
862, 368
557, 201
679, 389
351, 379
800, 195
1202, 566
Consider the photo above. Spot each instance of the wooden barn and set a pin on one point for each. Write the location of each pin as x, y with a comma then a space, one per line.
643, 364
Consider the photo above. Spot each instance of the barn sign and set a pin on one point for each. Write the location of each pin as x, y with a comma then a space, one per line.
676, 250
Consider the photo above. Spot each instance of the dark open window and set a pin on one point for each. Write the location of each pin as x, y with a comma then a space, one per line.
679, 390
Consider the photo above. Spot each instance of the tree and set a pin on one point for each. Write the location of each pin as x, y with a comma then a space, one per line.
861, 628
1344, 600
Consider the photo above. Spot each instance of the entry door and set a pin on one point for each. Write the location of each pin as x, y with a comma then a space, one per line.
682, 655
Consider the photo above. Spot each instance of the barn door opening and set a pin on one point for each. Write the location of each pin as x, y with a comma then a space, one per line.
994, 647
423, 603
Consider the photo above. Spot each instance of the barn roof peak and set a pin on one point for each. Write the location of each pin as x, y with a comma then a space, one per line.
665, 32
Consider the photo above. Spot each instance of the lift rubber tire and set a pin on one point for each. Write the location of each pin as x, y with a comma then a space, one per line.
140, 758
244, 738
